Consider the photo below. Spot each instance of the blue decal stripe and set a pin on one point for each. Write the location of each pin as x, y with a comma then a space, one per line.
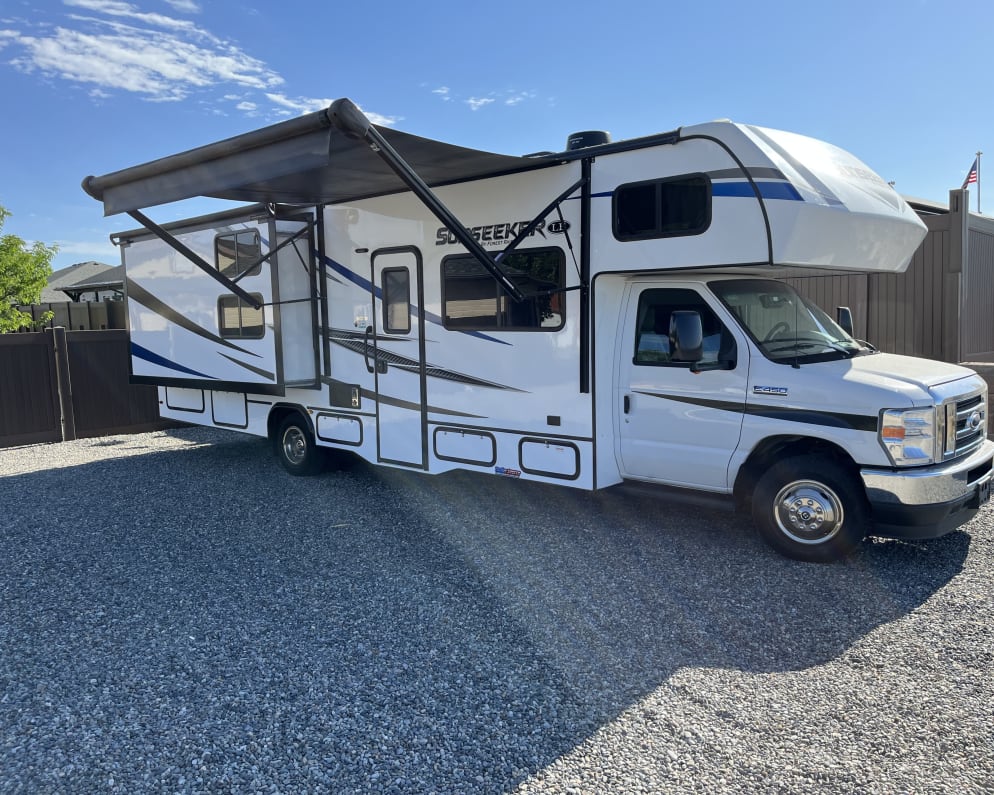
144, 353
365, 284
768, 190
742, 190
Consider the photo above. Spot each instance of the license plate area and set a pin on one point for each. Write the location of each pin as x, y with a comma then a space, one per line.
983, 494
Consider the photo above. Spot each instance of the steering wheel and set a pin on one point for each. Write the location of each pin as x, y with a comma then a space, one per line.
773, 332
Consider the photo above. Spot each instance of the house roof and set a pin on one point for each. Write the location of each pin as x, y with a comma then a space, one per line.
104, 280
68, 277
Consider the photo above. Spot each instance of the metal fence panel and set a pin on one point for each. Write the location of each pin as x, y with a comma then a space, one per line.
978, 292
29, 404
93, 398
103, 399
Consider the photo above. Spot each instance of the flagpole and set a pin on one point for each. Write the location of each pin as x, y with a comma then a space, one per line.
978, 182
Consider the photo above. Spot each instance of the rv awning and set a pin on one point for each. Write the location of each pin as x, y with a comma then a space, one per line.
308, 160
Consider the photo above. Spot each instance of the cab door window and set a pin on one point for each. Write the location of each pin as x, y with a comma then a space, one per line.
653, 345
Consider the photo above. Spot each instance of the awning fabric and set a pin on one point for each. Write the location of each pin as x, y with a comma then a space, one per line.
307, 160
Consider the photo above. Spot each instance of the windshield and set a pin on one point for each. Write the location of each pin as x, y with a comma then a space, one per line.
787, 327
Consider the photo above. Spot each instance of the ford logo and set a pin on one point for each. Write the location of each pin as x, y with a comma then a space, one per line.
974, 421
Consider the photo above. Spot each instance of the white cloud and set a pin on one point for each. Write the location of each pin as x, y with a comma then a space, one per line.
114, 46
519, 97
303, 105
508, 98
115, 8
300, 104
160, 65
88, 249
184, 6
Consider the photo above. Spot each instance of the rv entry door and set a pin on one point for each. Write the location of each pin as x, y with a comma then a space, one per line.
398, 357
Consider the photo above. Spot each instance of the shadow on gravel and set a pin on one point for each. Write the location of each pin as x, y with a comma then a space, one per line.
198, 620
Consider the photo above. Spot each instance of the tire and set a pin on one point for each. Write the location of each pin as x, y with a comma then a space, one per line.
296, 449
811, 508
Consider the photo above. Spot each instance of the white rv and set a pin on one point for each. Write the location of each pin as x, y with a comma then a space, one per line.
593, 317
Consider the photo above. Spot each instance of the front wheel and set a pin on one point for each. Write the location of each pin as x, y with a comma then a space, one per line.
296, 449
810, 508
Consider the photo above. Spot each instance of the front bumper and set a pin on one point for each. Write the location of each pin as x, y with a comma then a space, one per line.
932, 501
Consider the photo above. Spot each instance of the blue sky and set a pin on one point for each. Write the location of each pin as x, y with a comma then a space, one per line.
92, 86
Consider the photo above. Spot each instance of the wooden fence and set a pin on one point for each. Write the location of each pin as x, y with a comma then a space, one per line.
57, 385
78, 315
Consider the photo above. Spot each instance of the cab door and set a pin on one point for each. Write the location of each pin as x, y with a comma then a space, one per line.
398, 356
679, 423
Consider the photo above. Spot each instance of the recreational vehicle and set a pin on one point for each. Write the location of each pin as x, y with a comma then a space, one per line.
599, 316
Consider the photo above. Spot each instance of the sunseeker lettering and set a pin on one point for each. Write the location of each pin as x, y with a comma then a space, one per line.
491, 234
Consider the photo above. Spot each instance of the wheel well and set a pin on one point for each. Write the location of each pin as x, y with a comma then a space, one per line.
776, 448
279, 412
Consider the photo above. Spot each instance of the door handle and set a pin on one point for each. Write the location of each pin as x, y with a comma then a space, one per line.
627, 403
365, 349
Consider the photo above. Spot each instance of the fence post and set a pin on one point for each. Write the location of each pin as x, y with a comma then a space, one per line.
61, 350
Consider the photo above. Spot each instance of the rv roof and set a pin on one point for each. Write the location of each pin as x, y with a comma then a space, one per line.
307, 160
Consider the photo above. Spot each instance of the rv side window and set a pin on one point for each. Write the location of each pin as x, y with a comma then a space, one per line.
472, 299
662, 208
237, 319
396, 301
652, 330
234, 252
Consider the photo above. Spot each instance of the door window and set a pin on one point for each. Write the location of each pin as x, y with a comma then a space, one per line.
652, 330
396, 301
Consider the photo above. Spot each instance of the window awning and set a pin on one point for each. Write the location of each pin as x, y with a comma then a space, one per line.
312, 159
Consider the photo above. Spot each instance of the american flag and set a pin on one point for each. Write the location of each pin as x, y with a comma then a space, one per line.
972, 176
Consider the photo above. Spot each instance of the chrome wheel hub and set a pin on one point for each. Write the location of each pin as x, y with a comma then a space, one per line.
808, 512
294, 445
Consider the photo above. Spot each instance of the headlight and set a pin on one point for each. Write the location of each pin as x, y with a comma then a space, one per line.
908, 435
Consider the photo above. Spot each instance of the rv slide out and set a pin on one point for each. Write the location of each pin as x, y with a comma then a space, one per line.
605, 315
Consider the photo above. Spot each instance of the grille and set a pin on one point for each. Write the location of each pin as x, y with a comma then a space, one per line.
966, 425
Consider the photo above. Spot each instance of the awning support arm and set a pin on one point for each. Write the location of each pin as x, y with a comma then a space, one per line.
538, 219
268, 254
344, 114
195, 258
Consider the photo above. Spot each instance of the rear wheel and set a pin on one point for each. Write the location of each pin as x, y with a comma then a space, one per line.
810, 508
296, 449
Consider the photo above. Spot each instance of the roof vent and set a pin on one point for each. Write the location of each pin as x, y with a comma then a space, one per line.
581, 140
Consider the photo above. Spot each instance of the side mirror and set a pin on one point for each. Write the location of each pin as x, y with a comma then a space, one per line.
843, 316
686, 336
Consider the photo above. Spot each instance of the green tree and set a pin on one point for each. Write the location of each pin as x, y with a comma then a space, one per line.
24, 272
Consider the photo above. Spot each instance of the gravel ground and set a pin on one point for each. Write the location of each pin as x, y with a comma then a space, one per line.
177, 614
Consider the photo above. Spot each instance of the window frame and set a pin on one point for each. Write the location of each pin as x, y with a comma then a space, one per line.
499, 294
385, 305
235, 273
231, 332
657, 232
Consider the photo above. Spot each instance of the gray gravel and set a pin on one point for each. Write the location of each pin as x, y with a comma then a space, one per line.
177, 614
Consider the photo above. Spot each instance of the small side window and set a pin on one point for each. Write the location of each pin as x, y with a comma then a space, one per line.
662, 208
397, 301
236, 319
235, 252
